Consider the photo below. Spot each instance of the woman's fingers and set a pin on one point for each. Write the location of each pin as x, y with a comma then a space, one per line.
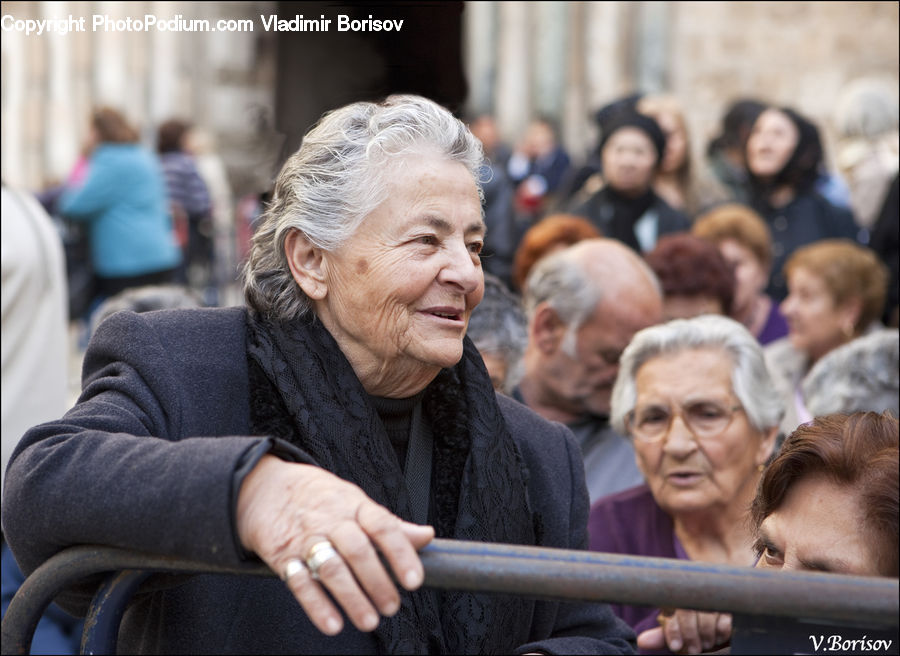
673, 633
362, 559
723, 629
398, 541
323, 525
418, 534
692, 632
336, 576
312, 598
706, 628
652, 639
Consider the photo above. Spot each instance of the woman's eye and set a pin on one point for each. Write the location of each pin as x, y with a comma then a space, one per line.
650, 418
707, 411
771, 556
476, 246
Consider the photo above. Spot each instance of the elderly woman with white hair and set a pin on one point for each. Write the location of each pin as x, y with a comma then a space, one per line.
342, 418
695, 398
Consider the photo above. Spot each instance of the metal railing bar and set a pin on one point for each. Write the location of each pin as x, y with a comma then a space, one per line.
535, 572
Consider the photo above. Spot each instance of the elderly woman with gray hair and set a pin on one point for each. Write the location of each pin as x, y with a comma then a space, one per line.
331, 429
695, 398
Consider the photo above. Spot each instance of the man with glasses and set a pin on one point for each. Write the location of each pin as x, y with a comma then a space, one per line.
584, 304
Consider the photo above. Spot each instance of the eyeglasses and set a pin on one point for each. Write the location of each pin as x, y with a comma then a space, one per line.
704, 419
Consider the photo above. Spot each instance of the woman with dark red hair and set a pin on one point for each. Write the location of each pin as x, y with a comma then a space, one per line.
695, 277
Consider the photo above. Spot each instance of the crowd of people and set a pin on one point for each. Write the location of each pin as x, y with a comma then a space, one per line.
131, 217
444, 335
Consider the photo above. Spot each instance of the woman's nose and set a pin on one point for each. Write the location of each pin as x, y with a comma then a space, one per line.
462, 269
679, 438
787, 306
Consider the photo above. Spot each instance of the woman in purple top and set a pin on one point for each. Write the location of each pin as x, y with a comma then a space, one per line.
696, 399
744, 240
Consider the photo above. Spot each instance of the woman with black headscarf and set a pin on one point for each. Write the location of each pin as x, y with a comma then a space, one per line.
784, 155
626, 207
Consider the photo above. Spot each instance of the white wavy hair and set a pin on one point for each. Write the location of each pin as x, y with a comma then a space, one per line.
750, 379
862, 375
337, 178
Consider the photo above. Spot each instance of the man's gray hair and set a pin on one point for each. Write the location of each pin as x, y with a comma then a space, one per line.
561, 281
749, 377
573, 283
859, 376
498, 326
339, 176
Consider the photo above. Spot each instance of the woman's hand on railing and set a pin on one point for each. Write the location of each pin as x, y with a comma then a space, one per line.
318, 532
687, 632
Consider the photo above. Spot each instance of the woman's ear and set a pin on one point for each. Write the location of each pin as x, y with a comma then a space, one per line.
305, 260
850, 310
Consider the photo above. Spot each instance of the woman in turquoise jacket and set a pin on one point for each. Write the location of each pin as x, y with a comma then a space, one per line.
124, 198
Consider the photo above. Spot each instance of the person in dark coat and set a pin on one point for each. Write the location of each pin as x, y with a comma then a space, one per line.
341, 415
784, 156
189, 200
626, 207
726, 152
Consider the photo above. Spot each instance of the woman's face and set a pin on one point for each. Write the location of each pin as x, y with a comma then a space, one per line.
629, 161
400, 291
816, 324
688, 473
816, 528
772, 141
676, 142
750, 277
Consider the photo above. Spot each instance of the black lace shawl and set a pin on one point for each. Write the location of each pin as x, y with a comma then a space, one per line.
303, 390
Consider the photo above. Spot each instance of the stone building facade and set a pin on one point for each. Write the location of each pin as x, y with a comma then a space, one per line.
224, 81
567, 59
255, 93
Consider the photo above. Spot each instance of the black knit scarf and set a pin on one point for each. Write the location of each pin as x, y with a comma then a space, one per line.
626, 212
304, 390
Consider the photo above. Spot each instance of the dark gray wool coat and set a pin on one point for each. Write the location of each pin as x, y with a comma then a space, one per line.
146, 461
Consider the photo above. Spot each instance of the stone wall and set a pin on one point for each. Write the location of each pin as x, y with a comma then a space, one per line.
705, 53
798, 54
51, 81
564, 59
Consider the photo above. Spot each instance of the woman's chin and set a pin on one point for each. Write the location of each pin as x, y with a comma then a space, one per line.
442, 353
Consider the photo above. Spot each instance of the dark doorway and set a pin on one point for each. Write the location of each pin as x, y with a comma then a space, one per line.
322, 70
